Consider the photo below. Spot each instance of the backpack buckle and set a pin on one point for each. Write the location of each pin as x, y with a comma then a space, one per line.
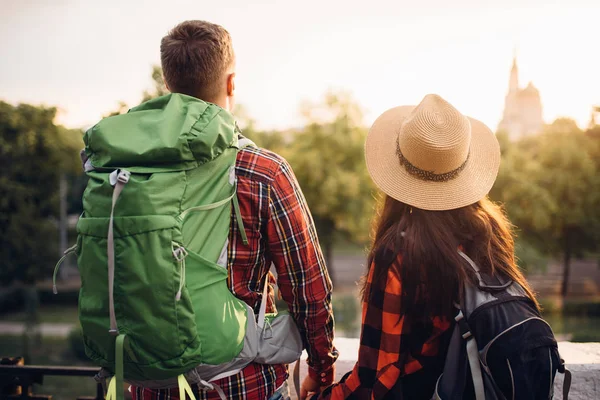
465, 331
119, 175
180, 253
123, 176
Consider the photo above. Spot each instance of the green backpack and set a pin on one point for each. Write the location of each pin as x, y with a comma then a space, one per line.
152, 243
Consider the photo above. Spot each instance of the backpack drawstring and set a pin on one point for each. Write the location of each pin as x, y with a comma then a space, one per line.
180, 253
68, 251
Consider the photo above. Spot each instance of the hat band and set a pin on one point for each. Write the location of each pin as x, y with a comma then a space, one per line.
429, 175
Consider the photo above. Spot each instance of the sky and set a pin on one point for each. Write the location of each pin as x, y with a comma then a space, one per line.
85, 56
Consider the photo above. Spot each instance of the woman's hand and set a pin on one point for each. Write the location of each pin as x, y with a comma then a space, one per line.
309, 387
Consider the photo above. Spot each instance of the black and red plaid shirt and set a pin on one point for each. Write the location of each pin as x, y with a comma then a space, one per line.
281, 231
400, 356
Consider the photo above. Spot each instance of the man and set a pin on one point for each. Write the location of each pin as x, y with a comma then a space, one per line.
198, 60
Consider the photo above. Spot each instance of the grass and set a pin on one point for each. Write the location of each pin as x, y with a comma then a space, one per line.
51, 351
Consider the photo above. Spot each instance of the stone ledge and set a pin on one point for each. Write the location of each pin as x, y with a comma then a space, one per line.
583, 360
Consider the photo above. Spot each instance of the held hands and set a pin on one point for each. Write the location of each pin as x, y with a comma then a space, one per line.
311, 387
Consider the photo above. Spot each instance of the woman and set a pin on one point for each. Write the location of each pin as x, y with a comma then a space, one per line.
435, 167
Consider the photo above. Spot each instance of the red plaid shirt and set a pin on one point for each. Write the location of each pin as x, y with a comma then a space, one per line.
281, 231
400, 356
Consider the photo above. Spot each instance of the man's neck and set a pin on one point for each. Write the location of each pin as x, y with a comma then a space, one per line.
223, 103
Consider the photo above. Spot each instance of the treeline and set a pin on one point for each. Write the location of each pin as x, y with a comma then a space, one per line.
549, 183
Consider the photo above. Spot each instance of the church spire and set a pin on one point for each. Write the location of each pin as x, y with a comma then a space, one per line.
513, 84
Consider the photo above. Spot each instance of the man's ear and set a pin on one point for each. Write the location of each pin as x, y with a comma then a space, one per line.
230, 85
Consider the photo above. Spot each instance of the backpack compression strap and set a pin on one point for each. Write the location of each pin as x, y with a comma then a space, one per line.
118, 179
236, 206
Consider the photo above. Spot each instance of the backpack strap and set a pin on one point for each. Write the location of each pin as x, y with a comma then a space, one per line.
118, 179
263, 304
473, 355
297, 377
115, 386
480, 280
208, 386
243, 142
567, 380
184, 388
111, 393
238, 217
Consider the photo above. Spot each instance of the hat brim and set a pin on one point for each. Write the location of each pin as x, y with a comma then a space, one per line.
471, 185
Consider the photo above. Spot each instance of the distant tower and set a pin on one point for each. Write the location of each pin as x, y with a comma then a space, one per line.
595, 112
513, 84
522, 108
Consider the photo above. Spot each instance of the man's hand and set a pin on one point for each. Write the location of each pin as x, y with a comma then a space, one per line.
309, 387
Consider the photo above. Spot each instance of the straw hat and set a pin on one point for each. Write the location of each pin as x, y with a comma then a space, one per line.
431, 156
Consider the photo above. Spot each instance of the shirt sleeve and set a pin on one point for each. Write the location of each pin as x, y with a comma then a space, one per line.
302, 275
389, 348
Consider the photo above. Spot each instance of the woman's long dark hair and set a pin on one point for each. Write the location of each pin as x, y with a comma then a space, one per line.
426, 242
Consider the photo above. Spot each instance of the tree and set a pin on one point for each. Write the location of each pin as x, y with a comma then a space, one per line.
327, 157
33, 153
272, 140
550, 187
159, 88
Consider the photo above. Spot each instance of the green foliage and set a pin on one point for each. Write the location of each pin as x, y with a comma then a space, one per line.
548, 183
550, 186
346, 309
583, 308
586, 336
328, 161
530, 257
159, 88
574, 328
273, 140
327, 157
33, 152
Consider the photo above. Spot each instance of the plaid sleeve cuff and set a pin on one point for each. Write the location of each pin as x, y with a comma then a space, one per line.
325, 378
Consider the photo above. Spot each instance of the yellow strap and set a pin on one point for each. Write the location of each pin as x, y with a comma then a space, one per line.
111, 393
184, 387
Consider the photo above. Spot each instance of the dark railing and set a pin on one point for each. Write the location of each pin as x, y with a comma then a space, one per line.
17, 380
